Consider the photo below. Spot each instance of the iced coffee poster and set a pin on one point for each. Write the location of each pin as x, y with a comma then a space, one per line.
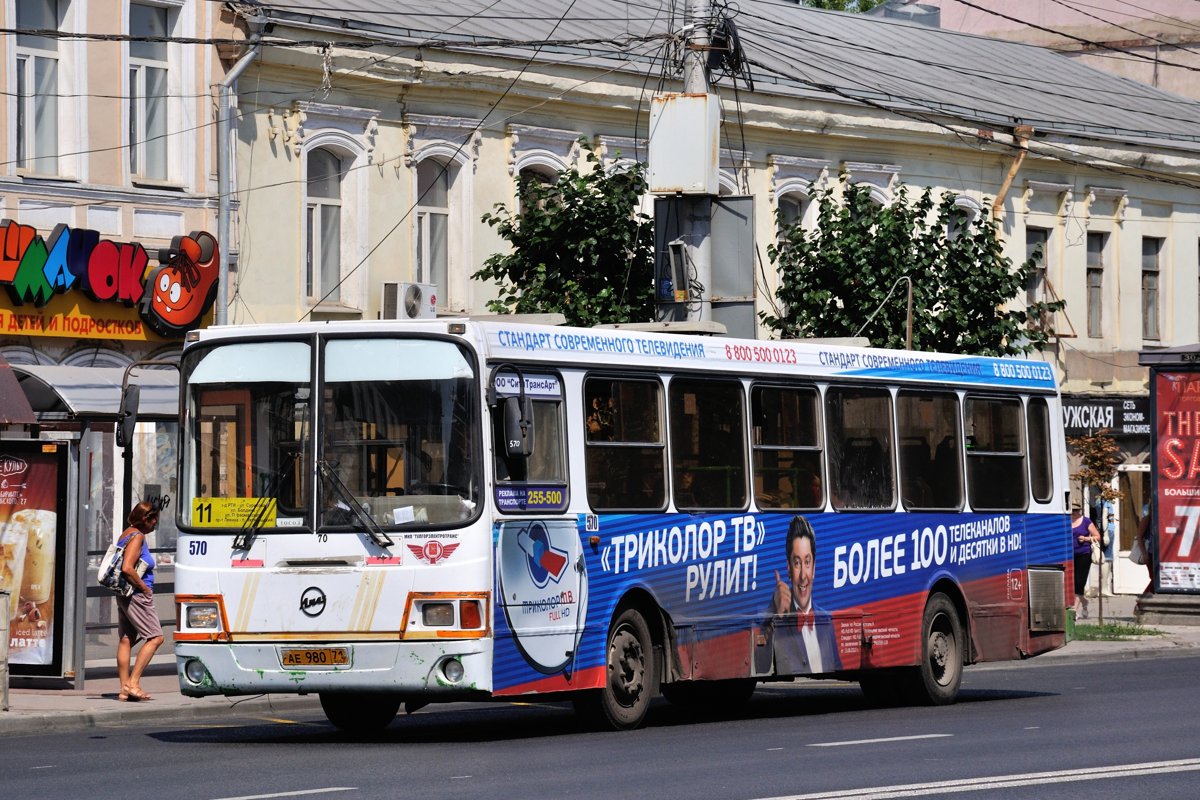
32, 496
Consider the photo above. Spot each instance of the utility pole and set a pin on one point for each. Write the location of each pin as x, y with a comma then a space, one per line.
684, 142
698, 218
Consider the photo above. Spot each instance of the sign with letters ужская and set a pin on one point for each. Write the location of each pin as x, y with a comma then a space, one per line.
1119, 415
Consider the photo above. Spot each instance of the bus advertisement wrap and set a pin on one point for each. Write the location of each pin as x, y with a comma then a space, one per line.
736, 597
1178, 480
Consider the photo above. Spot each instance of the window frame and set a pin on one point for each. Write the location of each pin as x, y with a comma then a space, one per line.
681, 473
953, 451
1151, 284
314, 234
598, 447
562, 484
30, 99
841, 497
978, 460
757, 446
1095, 283
137, 106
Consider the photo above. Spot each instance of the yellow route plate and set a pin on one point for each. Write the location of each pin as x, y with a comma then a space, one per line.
233, 512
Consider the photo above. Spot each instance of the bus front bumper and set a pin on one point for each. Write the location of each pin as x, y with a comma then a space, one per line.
418, 668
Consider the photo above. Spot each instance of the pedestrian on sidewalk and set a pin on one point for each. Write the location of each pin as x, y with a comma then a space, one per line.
1143, 540
1083, 533
137, 618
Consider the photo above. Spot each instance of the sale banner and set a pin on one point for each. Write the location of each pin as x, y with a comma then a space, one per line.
1178, 463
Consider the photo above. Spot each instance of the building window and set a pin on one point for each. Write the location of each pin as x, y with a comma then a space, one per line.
791, 209
963, 215
323, 226
147, 92
1151, 256
1036, 241
1095, 284
435, 182
37, 87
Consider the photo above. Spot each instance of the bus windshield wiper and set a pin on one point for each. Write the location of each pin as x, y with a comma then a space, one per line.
373, 530
255, 521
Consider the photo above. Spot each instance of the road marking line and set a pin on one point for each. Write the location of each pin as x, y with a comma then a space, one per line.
1002, 781
296, 793
878, 741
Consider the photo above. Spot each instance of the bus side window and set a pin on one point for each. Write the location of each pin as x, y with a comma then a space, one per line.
930, 477
625, 451
858, 425
996, 476
708, 443
788, 472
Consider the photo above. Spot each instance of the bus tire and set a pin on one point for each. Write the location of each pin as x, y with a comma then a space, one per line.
360, 712
939, 675
632, 677
720, 697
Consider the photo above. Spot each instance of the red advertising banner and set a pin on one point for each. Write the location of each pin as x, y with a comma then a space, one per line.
1177, 398
32, 545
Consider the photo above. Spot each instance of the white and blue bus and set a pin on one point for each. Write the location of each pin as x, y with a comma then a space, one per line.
412, 512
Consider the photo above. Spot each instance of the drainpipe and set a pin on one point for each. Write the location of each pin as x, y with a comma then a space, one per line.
225, 165
1022, 135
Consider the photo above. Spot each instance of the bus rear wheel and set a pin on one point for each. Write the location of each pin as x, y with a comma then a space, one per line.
632, 676
360, 712
937, 679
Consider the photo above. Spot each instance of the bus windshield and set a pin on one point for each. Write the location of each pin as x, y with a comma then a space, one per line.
384, 436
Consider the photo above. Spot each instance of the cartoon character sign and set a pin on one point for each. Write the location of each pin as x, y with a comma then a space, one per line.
182, 289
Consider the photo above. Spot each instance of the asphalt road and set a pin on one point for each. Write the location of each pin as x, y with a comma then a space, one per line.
1066, 729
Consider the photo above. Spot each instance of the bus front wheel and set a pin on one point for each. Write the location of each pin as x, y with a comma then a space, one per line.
360, 712
939, 675
632, 676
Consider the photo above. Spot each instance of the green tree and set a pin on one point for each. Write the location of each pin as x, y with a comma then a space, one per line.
834, 277
1099, 457
580, 247
843, 5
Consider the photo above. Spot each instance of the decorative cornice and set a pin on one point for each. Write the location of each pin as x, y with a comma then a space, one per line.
309, 118
550, 147
1101, 194
459, 134
795, 174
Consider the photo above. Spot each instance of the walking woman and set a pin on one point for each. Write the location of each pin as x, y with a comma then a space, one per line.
1083, 533
138, 621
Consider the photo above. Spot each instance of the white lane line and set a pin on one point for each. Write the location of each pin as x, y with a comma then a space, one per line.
877, 741
1003, 781
44, 766
296, 793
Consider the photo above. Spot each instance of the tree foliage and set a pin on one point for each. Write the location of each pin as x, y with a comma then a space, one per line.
834, 277
1099, 457
580, 247
843, 5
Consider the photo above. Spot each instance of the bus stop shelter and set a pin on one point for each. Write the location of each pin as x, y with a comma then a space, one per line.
65, 487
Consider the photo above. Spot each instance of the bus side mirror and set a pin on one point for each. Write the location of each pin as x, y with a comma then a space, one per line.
127, 416
518, 427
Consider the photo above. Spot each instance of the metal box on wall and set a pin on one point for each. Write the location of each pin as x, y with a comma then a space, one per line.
684, 144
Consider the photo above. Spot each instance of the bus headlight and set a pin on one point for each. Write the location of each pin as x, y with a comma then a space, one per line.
452, 670
203, 615
194, 671
201, 618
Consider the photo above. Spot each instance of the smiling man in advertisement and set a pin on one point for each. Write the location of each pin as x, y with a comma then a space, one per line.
800, 631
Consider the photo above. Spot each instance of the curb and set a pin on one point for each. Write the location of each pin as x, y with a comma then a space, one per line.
24, 722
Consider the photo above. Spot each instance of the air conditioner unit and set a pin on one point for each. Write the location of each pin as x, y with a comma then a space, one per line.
408, 301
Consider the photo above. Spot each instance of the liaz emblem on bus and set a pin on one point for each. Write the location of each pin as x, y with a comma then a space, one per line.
233, 512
